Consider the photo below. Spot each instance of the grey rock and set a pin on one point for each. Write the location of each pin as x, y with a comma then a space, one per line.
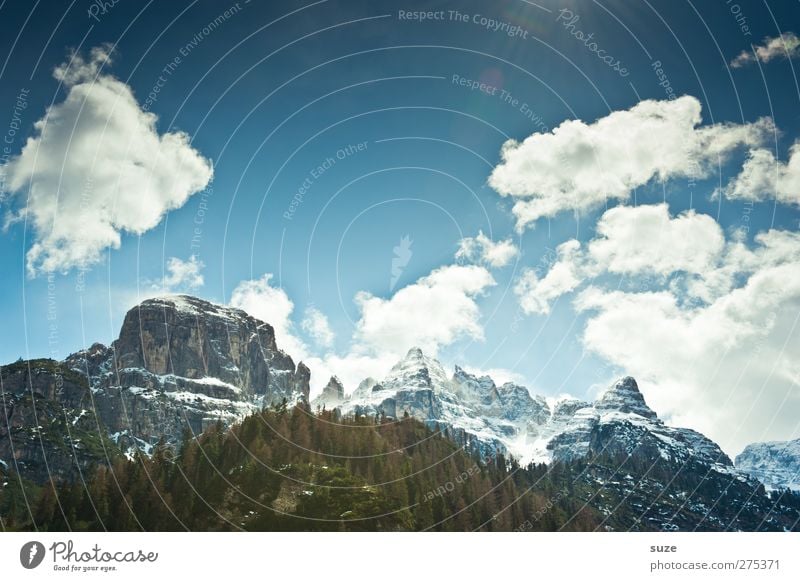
775, 464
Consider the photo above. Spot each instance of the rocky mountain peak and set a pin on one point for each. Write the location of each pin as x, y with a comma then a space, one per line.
335, 387
776, 464
624, 396
332, 394
180, 361
417, 370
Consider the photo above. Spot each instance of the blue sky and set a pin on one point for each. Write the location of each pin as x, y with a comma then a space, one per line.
393, 129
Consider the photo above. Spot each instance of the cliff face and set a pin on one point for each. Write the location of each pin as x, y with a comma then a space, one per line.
49, 430
182, 362
193, 339
179, 363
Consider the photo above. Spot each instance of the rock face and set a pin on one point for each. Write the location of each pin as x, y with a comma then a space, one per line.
332, 394
776, 464
191, 339
50, 430
179, 363
624, 396
477, 413
183, 363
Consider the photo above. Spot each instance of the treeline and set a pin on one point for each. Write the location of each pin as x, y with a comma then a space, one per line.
296, 470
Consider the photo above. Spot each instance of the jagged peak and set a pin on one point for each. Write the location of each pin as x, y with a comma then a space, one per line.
460, 375
415, 353
624, 396
334, 389
417, 368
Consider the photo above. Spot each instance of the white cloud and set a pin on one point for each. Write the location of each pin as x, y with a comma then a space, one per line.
483, 249
634, 241
565, 274
435, 310
351, 368
646, 239
431, 313
183, 274
711, 336
97, 168
787, 45
727, 369
316, 324
579, 166
765, 178
271, 305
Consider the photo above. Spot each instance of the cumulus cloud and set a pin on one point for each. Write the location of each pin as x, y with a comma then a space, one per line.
787, 45
183, 274
712, 334
727, 369
633, 241
97, 168
566, 273
646, 239
579, 166
272, 305
430, 313
435, 310
765, 178
316, 324
482, 249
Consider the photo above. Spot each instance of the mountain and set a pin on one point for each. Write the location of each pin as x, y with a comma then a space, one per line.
332, 394
185, 367
49, 431
776, 464
507, 419
292, 469
179, 363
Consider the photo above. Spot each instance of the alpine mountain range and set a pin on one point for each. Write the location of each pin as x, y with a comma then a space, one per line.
181, 363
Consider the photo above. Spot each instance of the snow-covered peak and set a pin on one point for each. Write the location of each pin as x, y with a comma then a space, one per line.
776, 464
190, 305
416, 370
624, 396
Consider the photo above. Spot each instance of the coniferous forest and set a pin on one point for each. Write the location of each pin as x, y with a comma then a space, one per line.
293, 469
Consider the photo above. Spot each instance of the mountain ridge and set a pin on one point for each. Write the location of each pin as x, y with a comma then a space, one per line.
183, 363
